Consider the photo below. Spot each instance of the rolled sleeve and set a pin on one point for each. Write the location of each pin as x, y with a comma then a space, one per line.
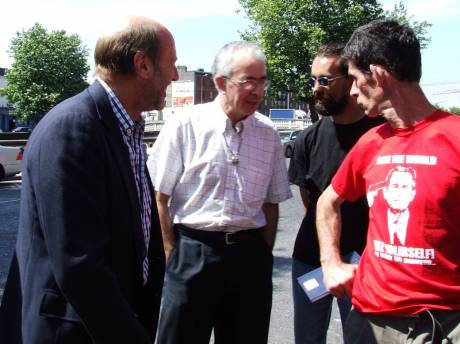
348, 182
165, 164
279, 190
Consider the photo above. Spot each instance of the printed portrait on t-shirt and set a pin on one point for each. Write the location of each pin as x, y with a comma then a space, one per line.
398, 191
393, 208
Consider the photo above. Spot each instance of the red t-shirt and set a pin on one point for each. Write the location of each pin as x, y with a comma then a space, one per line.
411, 177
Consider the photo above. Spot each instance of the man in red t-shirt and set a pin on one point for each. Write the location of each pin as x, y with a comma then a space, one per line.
407, 285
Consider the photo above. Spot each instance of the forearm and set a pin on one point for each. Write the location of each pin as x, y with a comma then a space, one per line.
328, 224
338, 276
271, 212
165, 222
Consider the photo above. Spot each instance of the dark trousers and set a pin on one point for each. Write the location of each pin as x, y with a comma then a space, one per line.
311, 319
214, 285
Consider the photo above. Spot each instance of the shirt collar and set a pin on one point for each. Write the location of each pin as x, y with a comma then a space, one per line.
224, 123
125, 121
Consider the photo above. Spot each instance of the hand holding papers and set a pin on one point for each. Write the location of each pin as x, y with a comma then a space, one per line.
312, 282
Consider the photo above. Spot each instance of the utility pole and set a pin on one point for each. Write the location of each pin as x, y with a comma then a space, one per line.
202, 76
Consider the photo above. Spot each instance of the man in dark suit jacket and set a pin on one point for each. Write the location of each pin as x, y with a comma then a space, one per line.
89, 261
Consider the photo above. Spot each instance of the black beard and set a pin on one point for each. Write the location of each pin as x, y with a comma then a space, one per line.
325, 105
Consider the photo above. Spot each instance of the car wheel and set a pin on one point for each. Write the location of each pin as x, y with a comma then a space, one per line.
288, 152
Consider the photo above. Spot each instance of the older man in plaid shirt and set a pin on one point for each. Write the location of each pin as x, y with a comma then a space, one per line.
220, 173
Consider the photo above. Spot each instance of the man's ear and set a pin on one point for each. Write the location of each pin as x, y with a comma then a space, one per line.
379, 74
142, 64
220, 82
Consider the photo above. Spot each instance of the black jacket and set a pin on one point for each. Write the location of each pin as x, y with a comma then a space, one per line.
76, 275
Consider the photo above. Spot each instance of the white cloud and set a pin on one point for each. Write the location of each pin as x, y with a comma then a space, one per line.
435, 10
89, 18
429, 10
199, 8
57, 14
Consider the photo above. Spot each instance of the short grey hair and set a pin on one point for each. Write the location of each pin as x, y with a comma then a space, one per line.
226, 56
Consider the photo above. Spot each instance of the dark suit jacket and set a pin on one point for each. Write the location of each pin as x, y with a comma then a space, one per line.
76, 275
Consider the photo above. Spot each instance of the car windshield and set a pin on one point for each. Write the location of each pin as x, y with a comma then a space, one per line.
284, 135
295, 134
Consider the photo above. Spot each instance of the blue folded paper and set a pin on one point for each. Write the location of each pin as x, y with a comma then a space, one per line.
312, 282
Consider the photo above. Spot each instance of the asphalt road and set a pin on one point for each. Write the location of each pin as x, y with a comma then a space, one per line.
281, 326
9, 217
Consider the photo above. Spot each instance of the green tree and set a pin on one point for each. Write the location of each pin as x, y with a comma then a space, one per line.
291, 31
420, 28
455, 110
47, 68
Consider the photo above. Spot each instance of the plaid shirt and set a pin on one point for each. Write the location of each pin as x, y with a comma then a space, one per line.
133, 133
192, 162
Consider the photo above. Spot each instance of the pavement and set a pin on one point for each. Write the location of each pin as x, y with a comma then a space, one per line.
291, 212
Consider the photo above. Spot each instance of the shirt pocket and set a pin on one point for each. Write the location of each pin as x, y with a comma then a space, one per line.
254, 182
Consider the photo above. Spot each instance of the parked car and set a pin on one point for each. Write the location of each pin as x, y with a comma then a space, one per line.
288, 144
22, 130
285, 136
10, 161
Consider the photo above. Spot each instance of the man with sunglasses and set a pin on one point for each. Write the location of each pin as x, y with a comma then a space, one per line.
318, 152
219, 172
407, 286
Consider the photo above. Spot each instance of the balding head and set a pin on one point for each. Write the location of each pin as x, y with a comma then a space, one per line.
115, 51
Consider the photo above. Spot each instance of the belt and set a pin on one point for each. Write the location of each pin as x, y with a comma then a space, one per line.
437, 331
219, 237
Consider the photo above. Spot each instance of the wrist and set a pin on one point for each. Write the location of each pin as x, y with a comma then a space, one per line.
331, 259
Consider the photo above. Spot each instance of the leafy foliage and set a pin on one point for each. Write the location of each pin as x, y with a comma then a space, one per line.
455, 110
400, 14
291, 31
47, 68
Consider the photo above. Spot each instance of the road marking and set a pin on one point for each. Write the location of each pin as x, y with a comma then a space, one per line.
13, 200
11, 182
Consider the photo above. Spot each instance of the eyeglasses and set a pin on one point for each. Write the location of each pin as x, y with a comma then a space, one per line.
250, 84
323, 80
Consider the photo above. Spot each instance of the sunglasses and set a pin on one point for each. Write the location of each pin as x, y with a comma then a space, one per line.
323, 80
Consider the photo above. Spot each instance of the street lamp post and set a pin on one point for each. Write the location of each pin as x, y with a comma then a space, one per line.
202, 76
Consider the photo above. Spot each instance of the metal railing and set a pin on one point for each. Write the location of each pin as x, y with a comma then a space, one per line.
291, 124
280, 124
152, 129
153, 126
20, 139
14, 139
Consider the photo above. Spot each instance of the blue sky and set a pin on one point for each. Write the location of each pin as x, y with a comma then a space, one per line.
201, 27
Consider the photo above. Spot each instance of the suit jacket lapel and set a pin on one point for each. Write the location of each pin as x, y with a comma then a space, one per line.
121, 156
